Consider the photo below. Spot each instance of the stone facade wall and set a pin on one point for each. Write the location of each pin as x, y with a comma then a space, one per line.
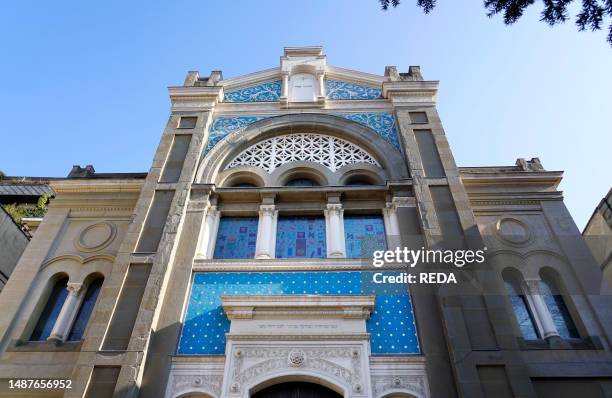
148, 239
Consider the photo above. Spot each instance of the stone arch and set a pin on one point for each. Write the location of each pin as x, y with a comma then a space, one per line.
304, 376
390, 159
195, 394
310, 170
243, 174
399, 393
76, 268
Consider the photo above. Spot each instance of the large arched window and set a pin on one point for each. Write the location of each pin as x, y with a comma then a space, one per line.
520, 307
52, 309
85, 310
557, 308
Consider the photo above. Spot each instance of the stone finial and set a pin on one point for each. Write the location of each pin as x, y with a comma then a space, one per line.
191, 78
414, 72
81, 172
529, 165
215, 77
392, 73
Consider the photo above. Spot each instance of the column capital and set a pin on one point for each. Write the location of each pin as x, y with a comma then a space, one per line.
532, 286
267, 210
334, 207
74, 288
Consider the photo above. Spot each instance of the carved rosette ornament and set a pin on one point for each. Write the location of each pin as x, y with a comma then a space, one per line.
413, 384
296, 358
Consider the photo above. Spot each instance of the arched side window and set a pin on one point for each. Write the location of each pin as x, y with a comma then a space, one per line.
85, 310
302, 182
558, 309
520, 306
52, 309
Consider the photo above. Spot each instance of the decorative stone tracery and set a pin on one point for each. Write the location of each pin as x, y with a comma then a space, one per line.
329, 151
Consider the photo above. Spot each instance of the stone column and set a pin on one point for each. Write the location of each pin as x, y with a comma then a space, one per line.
545, 321
285, 88
266, 232
208, 232
334, 225
64, 320
321, 90
392, 229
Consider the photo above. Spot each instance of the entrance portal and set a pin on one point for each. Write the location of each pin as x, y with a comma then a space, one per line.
296, 390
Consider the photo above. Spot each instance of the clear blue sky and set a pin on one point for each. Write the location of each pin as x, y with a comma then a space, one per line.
85, 82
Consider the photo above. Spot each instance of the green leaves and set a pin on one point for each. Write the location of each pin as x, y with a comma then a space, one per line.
591, 16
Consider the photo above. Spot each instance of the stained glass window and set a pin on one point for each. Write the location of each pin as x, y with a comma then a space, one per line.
302, 182
391, 326
89, 301
523, 315
236, 237
47, 319
301, 236
364, 234
558, 310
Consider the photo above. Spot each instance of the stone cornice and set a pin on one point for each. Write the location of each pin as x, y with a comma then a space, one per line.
251, 78
96, 186
293, 264
471, 177
196, 98
333, 72
298, 305
411, 92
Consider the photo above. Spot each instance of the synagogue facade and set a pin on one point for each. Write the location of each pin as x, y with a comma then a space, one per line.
240, 264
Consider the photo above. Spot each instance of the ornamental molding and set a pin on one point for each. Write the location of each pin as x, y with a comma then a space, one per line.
411, 384
107, 228
298, 305
216, 265
208, 384
329, 151
79, 259
71, 186
249, 366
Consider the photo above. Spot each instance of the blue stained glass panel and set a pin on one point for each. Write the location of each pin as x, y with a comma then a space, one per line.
391, 326
523, 316
89, 301
363, 235
301, 236
47, 319
236, 237
559, 312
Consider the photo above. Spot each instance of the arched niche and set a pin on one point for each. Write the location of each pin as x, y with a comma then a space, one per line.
390, 159
301, 377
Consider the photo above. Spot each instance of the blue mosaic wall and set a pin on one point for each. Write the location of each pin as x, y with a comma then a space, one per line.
224, 125
264, 92
338, 90
383, 123
236, 237
363, 235
391, 325
301, 236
